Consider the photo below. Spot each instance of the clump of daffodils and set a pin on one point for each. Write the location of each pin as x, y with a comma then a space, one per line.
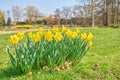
54, 48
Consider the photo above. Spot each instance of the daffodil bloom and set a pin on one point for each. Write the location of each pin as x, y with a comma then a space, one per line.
58, 36
40, 31
84, 36
30, 35
14, 39
68, 33
90, 43
77, 30
63, 28
20, 34
55, 29
36, 37
89, 37
48, 36
71, 34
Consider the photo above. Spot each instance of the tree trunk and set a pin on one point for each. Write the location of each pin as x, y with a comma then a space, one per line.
113, 15
92, 13
106, 13
117, 15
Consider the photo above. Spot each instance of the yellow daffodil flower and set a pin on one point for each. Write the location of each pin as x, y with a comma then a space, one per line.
58, 36
68, 33
90, 43
55, 29
20, 34
40, 31
36, 37
71, 34
77, 30
14, 39
84, 36
48, 36
89, 37
63, 28
30, 35
74, 35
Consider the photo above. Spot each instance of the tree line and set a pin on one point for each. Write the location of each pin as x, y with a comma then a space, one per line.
85, 13
91, 13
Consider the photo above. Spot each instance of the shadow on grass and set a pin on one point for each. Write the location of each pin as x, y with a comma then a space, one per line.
8, 74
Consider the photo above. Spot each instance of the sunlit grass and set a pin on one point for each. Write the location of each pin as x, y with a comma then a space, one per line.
102, 61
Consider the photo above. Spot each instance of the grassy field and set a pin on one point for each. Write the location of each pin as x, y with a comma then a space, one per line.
102, 61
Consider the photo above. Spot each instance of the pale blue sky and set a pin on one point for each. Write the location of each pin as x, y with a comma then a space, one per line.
44, 6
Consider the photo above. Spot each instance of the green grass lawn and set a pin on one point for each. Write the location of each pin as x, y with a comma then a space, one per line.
105, 54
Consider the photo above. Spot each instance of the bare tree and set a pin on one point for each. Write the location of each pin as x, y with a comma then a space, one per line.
17, 13
58, 15
76, 11
50, 20
66, 13
91, 5
31, 13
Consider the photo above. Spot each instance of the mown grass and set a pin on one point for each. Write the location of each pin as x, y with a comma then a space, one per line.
102, 61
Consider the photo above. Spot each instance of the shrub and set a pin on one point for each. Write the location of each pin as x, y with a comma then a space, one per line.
52, 49
115, 25
25, 26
